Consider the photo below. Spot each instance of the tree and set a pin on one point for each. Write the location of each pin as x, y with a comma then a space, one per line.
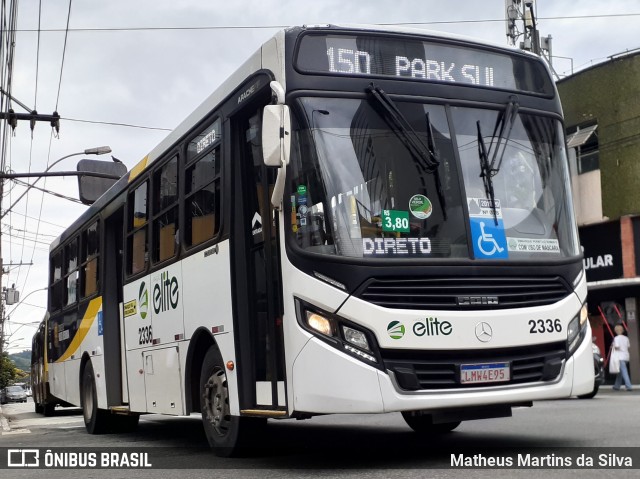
7, 370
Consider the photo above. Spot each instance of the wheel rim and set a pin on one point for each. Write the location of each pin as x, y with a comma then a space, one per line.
216, 402
87, 399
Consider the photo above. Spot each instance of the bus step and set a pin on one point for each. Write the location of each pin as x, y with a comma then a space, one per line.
263, 412
119, 409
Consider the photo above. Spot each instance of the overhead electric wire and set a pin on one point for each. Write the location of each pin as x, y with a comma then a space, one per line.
35, 98
53, 193
128, 125
277, 26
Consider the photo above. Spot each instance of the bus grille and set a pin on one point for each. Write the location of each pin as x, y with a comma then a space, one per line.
468, 294
416, 370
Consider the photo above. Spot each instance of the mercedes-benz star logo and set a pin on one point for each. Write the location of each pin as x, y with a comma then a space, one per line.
484, 332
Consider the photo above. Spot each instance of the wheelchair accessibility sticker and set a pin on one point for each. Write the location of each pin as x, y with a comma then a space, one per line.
487, 232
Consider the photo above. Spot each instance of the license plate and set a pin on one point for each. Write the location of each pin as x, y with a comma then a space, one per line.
484, 373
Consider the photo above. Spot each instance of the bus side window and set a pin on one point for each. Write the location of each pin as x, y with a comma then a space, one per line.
71, 272
165, 211
56, 290
137, 253
202, 198
89, 260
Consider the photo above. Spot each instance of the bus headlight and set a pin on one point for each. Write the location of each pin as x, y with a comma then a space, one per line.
577, 329
320, 324
355, 337
346, 336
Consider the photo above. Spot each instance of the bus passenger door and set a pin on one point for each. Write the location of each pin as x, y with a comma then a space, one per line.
112, 301
259, 339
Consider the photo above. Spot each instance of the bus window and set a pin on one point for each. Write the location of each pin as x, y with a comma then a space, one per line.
202, 198
165, 211
89, 258
56, 292
71, 271
137, 253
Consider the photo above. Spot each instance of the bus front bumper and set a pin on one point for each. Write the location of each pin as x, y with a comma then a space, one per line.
326, 381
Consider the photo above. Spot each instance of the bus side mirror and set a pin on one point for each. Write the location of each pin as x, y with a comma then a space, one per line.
276, 145
276, 135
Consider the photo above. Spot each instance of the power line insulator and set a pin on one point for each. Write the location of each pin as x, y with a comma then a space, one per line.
32, 121
13, 120
55, 122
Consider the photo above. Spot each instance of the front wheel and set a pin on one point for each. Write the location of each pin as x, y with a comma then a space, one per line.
95, 420
423, 423
592, 394
227, 434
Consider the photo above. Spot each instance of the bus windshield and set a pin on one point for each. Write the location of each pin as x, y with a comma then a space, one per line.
360, 189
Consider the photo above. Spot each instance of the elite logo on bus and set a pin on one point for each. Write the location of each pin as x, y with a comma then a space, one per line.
395, 330
165, 293
143, 300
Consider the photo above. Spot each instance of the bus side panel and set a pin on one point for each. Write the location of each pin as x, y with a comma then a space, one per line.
207, 302
57, 381
97, 362
328, 381
72, 381
137, 331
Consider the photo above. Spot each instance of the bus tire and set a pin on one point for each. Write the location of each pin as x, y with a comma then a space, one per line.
48, 409
124, 423
228, 435
95, 420
423, 423
592, 394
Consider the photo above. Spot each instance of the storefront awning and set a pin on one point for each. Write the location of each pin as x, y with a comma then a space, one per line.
613, 289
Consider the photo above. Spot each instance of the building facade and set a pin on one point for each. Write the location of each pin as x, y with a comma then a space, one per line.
602, 117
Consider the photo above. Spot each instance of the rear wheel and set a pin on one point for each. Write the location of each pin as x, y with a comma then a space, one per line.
228, 435
48, 409
423, 423
95, 420
120, 423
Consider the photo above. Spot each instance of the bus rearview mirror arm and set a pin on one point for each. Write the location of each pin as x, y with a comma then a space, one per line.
276, 140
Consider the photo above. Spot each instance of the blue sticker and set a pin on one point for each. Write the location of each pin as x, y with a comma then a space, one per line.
489, 240
100, 325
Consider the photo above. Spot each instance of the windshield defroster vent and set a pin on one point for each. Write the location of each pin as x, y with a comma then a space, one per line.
463, 293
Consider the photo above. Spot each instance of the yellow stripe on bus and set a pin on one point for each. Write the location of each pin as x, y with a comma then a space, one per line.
136, 170
85, 325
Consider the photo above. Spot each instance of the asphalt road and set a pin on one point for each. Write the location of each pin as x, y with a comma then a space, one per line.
356, 445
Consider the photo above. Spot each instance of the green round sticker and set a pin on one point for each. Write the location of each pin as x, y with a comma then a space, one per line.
302, 190
420, 207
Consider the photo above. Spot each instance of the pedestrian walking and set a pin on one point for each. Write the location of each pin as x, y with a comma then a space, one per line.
620, 355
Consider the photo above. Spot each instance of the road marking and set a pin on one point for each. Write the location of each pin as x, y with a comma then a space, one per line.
16, 431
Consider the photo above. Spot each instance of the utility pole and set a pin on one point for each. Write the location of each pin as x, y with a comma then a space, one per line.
7, 47
522, 12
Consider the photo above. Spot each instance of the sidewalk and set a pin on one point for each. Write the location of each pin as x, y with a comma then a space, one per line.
4, 423
608, 388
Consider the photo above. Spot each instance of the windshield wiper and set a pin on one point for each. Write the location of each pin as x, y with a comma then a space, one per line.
421, 152
490, 169
505, 124
424, 155
486, 172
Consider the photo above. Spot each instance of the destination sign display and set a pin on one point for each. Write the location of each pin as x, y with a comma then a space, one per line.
402, 58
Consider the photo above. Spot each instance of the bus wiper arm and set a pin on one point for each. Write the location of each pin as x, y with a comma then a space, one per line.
486, 173
421, 152
506, 122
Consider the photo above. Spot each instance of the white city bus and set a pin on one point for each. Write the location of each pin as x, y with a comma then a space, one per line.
359, 220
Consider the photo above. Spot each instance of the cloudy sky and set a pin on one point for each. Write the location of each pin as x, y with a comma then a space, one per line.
134, 69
